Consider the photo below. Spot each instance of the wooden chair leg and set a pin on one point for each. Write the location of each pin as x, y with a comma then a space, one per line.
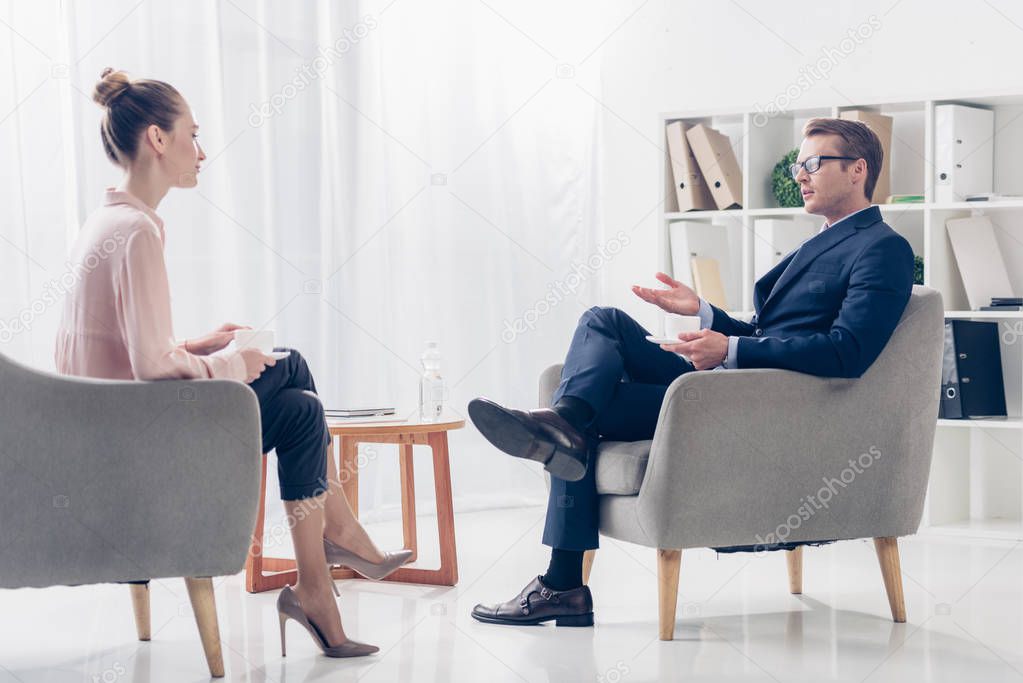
200, 592
794, 558
668, 564
891, 573
588, 564
140, 602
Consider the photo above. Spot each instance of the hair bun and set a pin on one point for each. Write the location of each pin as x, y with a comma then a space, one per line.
111, 84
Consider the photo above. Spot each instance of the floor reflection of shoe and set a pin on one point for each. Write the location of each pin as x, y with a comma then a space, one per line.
541, 435
537, 603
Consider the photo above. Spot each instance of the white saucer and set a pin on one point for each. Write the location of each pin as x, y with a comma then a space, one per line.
662, 340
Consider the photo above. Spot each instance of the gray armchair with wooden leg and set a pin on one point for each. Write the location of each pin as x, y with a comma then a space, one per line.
751, 457
110, 481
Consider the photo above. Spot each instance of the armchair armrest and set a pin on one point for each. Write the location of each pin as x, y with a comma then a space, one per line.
748, 457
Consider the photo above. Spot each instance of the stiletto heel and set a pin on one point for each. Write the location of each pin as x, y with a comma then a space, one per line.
283, 619
289, 607
333, 585
371, 570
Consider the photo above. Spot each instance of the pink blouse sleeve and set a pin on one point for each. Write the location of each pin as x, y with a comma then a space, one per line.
144, 301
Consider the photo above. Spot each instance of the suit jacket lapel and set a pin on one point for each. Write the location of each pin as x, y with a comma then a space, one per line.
817, 245
762, 288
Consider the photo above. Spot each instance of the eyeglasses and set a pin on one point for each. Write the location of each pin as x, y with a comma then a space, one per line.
813, 164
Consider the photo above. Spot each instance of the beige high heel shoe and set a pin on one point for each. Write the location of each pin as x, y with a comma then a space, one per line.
393, 559
288, 607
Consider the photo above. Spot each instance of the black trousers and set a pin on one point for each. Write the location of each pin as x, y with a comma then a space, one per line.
294, 425
623, 377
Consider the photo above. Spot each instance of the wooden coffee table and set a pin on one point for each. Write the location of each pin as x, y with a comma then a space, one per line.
267, 573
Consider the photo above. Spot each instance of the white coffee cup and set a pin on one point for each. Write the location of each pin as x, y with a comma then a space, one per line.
676, 324
255, 339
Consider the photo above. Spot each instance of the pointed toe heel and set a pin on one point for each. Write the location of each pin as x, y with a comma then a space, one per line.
393, 559
289, 607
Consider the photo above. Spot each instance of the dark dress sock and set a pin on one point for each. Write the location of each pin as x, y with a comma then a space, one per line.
565, 571
574, 411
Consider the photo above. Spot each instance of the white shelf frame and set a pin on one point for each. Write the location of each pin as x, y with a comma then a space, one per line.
962, 450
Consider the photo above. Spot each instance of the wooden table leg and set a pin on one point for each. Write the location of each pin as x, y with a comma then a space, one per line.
408, 500
348, 475
282, 571
348, 471
447, 574
254, 562
445, 511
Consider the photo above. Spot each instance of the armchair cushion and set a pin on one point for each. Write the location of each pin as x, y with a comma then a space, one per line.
621, 466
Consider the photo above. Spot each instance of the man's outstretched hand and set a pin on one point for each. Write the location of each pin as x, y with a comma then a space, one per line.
678, 298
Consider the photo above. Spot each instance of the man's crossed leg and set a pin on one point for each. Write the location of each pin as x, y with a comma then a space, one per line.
612, 386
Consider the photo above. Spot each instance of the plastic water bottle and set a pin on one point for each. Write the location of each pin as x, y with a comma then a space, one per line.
431, 385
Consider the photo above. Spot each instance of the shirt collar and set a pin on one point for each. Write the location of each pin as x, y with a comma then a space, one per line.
115, 196
826, 225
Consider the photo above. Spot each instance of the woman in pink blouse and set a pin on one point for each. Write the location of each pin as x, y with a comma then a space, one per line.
117, 325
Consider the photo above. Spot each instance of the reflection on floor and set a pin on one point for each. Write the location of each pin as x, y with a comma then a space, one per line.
736, 620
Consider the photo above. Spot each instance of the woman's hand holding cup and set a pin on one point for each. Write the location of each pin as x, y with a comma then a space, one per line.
255, 362
254, 345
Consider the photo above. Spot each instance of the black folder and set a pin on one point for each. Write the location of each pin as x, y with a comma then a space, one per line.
971, 371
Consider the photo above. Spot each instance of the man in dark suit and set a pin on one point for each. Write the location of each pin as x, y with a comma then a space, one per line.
826, 309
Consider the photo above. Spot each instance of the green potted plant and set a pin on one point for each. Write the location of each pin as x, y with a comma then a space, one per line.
786, 190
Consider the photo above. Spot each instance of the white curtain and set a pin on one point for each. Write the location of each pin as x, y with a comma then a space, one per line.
379, 174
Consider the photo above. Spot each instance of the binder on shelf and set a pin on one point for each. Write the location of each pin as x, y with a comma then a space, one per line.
698, 238
707, 281
963, 152
717, 162
882, 127
776, 238
979, 259
690, 187
971, 371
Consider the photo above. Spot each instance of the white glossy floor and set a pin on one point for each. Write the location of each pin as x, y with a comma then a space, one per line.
736, 621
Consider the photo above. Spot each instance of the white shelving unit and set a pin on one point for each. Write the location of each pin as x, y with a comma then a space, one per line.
976, 481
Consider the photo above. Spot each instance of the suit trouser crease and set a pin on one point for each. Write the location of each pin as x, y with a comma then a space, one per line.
624, 378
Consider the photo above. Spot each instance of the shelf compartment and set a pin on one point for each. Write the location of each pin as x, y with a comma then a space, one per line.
769, 139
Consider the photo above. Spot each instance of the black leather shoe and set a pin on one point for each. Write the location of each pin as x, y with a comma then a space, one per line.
537, 603
540, 435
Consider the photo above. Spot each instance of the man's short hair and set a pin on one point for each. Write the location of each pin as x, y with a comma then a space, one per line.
858, 141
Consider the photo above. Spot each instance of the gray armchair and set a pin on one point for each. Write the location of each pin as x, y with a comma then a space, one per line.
110, 481
755, 457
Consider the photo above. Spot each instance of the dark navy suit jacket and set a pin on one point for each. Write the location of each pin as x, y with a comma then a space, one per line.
829, 307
